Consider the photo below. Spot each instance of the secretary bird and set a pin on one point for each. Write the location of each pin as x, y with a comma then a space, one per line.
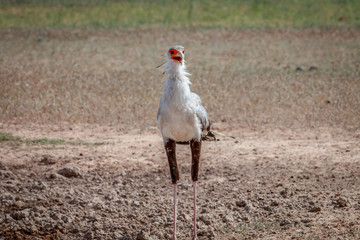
181, 118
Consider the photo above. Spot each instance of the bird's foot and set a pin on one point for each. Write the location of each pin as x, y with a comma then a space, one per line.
195, 238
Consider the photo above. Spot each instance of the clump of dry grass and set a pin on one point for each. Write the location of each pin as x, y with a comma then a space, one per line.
243, 76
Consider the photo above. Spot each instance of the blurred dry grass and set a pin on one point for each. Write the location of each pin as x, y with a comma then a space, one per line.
185, 13
243, 76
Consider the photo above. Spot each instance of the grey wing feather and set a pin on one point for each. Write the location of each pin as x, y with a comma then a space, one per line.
201, 113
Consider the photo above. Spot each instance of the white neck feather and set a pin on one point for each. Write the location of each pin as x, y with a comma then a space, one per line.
177, 83
177, 70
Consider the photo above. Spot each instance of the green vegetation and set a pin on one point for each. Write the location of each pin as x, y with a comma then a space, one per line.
44, 141
6, 137
16, 141
160, 13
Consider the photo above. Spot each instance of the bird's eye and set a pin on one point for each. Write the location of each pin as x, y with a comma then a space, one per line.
171, 52
183, 51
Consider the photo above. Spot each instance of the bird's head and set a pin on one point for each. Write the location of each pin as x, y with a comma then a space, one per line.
176, 54
175, 64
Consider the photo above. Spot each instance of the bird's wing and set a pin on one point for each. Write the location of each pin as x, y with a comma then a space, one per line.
201, 113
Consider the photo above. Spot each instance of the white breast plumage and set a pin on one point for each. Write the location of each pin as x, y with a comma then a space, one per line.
177, 118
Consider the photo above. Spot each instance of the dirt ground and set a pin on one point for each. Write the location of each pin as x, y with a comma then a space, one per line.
254, 183
296, 175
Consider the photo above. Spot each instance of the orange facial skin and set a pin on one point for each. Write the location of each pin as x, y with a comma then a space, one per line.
174, 54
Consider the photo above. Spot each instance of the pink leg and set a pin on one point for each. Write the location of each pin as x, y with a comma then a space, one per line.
195, 234
195, 157
174, 231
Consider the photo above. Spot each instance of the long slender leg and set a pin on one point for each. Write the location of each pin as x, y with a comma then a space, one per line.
195, 232
195, 157
175, 211
170, 147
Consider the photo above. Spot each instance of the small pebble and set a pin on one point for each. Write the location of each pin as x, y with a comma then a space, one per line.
305, 220
240, 203
205, 219
284, 222
315, 209
340, 202
47, 160
69, 171
142, 236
